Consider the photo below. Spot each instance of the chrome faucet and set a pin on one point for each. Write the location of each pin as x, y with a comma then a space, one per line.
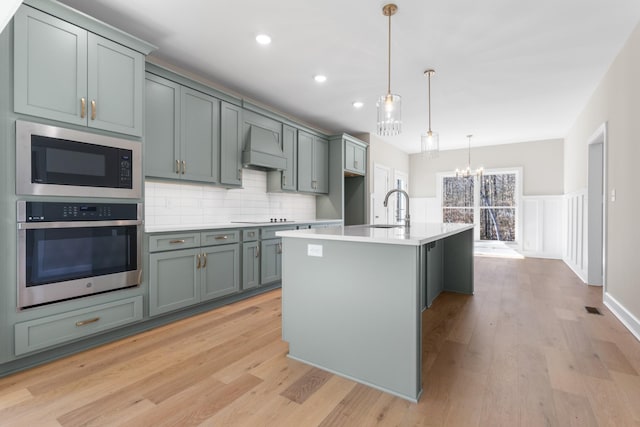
407, 217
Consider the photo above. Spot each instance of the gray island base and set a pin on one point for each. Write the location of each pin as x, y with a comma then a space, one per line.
352, 297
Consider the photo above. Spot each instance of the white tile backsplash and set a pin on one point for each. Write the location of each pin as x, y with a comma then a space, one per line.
175, 203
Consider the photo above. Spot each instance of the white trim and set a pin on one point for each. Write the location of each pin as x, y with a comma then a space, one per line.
601, 136
631, 322
575, 244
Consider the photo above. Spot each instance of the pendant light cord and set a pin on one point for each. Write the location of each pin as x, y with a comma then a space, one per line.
429, 102
389, 62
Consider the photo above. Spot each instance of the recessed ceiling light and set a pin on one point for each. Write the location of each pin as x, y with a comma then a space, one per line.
263, 39
320, 78
358, 104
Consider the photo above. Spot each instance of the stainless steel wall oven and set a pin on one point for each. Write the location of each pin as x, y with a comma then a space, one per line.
68, 250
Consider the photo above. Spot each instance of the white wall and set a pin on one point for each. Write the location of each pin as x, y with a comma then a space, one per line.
616, 101
7, 10
541, 163
170, 203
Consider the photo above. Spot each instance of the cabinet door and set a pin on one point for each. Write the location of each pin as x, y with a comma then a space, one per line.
290, 149
321, 165
220, 270
359, 159
305, 162
270, 260
355, 158
174, 280
115, 94
230, 144
50, 67
250, 265
162, 127
199, 136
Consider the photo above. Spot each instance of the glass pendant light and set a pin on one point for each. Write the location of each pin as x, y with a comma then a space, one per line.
389, 105
429, 141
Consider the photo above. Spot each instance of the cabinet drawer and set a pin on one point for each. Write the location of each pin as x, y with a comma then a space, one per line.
41, 333
166, 242
250, 234
270, 232
221, 237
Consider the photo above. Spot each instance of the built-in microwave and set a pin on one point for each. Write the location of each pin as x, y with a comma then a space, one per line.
54, 161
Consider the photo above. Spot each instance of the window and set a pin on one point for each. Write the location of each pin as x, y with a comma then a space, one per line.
490, 203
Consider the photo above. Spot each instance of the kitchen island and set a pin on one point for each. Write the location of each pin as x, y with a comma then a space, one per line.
352, 297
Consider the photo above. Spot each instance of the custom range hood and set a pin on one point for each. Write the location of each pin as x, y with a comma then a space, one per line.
262, 150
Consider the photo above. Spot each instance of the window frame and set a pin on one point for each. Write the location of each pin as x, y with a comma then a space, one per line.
476, 200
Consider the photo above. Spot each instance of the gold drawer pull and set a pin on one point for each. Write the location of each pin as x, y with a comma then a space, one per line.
87, 322
173, 242
83, 108
93, 109
225, 237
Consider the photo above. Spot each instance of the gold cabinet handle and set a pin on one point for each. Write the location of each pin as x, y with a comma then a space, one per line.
225, 237
204, 260
83, 108
93, 109
173, 242
284, 179
198, 261
87, 322
184, 167
279, 248
240, 173
178, 166
257, 251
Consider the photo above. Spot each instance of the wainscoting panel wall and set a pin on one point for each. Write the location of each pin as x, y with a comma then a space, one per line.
575, 232
542, 226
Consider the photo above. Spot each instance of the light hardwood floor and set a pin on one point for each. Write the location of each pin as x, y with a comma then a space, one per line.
521, 352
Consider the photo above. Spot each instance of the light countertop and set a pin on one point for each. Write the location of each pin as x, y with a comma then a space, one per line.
226, 225
416, 235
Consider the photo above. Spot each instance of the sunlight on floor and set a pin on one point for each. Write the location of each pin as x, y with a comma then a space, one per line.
495, 249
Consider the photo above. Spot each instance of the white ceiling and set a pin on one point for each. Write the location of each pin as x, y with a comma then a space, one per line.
506, 71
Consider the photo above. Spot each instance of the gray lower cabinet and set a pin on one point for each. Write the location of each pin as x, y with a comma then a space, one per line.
182, 277
65, 73
250, 265
49, 331
270, 260
313, 163
220, 267
174, 281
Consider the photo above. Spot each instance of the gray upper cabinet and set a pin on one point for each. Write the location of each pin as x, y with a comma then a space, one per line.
200, 136
355, 158
162, 127
290, 149
65, 73
231, 144
182, 132
313, 163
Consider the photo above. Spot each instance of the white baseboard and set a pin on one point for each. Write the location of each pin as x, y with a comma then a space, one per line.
629, 320
533, 254
580, 273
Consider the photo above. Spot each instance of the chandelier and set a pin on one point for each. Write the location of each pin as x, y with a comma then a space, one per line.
467, 172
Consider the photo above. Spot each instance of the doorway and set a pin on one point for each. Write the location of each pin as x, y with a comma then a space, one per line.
596, 205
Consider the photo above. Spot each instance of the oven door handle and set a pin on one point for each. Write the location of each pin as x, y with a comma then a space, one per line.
76, 224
